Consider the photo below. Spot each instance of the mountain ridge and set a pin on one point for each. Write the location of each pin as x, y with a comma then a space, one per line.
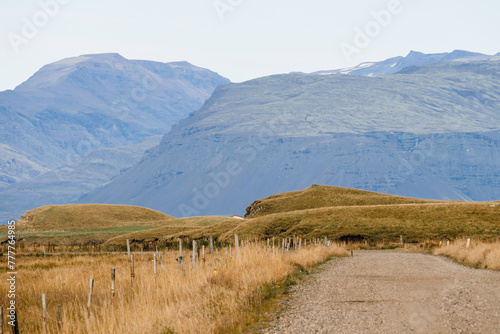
76, 106
416, 134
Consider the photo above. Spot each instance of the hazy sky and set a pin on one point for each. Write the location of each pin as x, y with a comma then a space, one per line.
240, 39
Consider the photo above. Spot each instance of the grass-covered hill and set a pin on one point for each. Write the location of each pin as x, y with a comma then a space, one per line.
318, 196
84, 222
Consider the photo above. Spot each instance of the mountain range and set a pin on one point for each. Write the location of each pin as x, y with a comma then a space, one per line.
430, 131
87, 129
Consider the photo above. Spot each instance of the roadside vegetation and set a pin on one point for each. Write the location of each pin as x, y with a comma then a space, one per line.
484, 255
217, 295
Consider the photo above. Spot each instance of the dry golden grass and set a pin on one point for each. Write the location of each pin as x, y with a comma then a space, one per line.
479, 254
178, 300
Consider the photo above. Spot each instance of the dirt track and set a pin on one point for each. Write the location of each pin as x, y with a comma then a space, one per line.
392, 292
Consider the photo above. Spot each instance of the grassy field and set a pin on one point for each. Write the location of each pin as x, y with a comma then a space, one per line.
221, 294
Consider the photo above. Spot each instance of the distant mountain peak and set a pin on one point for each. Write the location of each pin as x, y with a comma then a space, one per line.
413, 58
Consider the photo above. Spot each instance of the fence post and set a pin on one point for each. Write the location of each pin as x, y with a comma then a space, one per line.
468, 243
59, 317
89, 299
113, 286
128, 247
401, 239
1, 319
15, 330
203, 254
44, 313
236, 243
180, 247
211, 245
195, 253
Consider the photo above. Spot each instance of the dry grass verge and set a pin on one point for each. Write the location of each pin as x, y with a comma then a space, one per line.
479, 254
178, 300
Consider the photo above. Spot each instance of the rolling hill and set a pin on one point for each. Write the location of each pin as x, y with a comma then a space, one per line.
66, 224
318, 196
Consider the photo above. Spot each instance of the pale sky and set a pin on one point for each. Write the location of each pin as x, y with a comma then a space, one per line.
245, 39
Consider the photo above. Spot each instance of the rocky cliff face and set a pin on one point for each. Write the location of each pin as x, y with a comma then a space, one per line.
430, 132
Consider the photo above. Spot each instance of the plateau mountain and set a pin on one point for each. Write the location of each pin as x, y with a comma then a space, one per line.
430, 131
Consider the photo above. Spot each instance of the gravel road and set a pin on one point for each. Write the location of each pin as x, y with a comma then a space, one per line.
392, 292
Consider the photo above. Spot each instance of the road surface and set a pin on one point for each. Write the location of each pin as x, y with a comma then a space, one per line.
392, 292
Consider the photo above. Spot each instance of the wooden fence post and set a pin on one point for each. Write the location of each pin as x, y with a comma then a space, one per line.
468, 243
44, 313
59, 317
211, 245
203, 254
1, 319
89, 299
128, 247
113, 286
180, 247
15, 330
236, 243
195, 253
